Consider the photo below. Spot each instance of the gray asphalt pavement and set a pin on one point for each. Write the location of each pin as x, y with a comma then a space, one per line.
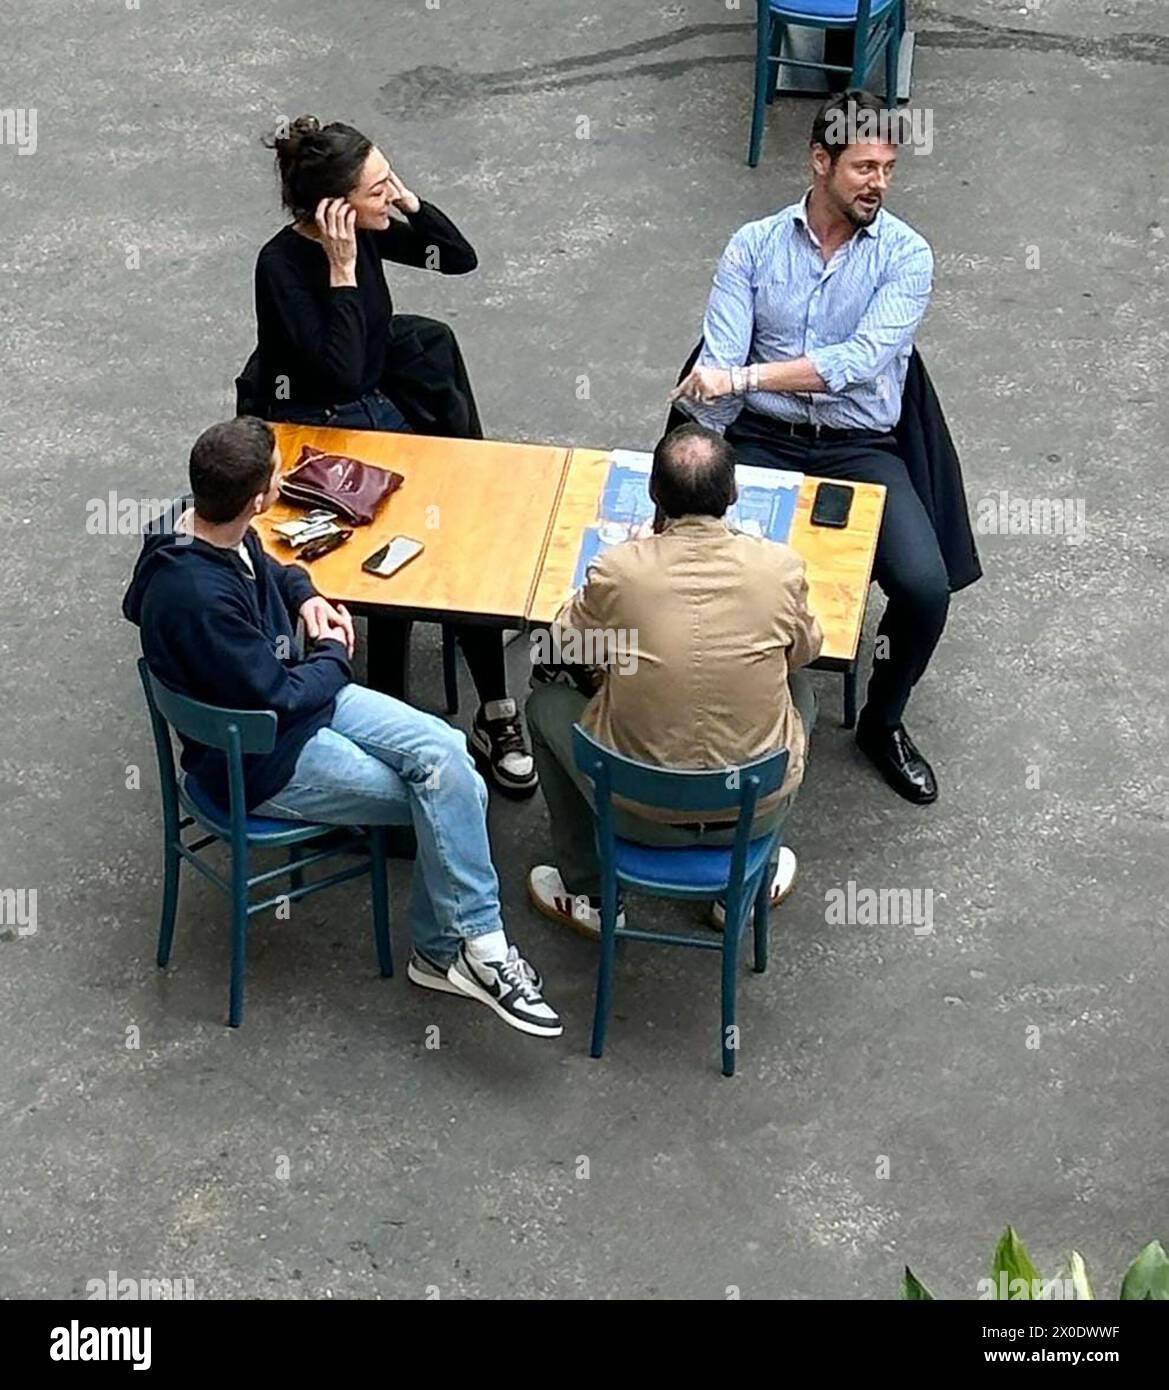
901, 1096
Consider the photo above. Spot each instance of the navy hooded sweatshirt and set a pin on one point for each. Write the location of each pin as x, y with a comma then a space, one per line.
212, 632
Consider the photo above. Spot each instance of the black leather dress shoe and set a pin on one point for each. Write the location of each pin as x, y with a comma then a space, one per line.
898, 761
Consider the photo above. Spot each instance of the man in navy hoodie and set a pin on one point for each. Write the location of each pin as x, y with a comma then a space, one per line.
218, 619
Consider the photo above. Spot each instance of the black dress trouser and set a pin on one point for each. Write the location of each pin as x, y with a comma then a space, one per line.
909, 566
388, 660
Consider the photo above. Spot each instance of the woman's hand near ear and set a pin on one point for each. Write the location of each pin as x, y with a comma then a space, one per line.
336, 221
401, 197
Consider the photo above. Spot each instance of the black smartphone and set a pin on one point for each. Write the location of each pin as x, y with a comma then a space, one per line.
390, 558
832, 504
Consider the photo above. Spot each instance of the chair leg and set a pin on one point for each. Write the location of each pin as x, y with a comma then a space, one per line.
762, 921
605, 973
850, 697
730, 1040
296, 877
892, 49
239, 938
171, 863
860, 48
450, 669
762, 64
379, 891
775, 49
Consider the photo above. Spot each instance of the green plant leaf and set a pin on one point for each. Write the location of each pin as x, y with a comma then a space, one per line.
1070, 1282
1148, 1275
913, 1290
1011, 1259
1077, 1272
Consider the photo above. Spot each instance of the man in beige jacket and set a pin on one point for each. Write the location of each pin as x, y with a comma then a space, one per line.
700, 633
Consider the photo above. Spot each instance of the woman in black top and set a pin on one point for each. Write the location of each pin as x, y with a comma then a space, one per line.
332, 352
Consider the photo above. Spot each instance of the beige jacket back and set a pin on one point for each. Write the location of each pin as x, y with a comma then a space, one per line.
716, 621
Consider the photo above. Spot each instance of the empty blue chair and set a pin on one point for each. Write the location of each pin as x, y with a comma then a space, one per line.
737, 873
238, 732
877, 28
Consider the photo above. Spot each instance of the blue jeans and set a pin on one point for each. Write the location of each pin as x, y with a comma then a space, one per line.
381, 762
374, 411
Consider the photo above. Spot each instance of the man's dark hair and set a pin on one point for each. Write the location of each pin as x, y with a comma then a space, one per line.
845, 112
230, 464
693, 473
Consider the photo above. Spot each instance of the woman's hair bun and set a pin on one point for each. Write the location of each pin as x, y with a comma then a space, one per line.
288, 136
316, 162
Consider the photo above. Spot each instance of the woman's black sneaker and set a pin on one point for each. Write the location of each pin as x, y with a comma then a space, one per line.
498, 743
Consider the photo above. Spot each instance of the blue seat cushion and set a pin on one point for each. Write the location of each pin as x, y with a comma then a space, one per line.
704, 867
218, 818
842, 11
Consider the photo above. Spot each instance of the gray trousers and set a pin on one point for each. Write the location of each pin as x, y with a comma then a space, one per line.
551, 712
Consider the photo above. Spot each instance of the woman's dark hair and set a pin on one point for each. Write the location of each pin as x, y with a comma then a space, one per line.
693, 473
230, 464
315, 162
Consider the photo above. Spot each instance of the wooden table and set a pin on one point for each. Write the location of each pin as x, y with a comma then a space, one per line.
840, 562
502, 525
480, 508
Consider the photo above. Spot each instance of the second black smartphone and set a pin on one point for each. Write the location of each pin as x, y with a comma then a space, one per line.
832, 505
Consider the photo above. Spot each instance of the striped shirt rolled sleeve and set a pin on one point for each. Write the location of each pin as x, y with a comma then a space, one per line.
775, 300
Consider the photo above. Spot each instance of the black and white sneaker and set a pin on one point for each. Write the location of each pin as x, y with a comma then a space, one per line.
511, 987
421, 970
497, 741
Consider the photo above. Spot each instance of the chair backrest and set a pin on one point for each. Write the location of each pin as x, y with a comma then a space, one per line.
252, 730
235, 731
677, 789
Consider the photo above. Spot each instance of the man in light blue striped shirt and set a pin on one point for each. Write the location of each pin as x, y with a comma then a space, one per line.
807, 337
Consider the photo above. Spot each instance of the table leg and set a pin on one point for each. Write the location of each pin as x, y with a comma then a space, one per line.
850, 696
450, 669
388, 655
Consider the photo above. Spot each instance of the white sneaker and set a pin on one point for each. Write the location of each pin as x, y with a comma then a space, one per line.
549, 896
510, 987
781, 885
421, 970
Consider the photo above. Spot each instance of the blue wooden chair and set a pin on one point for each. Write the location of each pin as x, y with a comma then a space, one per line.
877, 27
737, 873
238, 732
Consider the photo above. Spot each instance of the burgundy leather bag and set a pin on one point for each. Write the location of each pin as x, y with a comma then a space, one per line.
352, 489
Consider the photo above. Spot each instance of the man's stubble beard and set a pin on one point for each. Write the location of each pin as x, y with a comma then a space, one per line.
858, 221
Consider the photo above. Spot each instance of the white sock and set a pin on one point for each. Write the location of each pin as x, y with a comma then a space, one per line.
491, 945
